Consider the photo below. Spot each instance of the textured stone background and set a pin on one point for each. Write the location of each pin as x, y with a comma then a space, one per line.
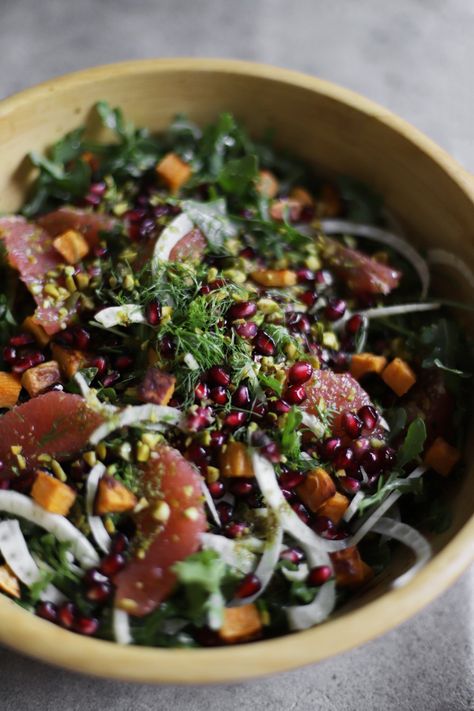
415, 57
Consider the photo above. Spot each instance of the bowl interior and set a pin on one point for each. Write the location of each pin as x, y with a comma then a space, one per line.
336, 132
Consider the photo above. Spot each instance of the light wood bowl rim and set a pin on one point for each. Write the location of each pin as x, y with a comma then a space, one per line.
28, 634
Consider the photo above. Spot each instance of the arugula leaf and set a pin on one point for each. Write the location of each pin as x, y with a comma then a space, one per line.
57, 183
396, 418
290, 437
239, 175
202, 575
388, 484
413, 444
453, 371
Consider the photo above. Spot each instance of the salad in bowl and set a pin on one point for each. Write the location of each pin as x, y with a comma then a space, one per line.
226, 392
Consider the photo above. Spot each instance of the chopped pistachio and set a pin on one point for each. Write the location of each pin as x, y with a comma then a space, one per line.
143, 452
161, 511
58, 471
90, 458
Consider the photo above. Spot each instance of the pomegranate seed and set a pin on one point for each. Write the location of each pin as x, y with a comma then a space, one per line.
218, 375
294, 555
196, 453
280, 407
123, 362
353, 324
94, 576
110, 378
218, 395
91, 199
153, 312
300, 373
235, 529
369, 461
81, 338
309, 297
298, 323
249, 586
119, 543
247, 330
9, 354
343, 457
242, 309
217, 439
86, 625
99, 592
198, 420
290, 480
201, 391
329, 446
295, 394
349, 485
335, 309
22, 339
264, 344
272, 452
225, 511
386, 457
304, 275
111, 564
259, 409
235, 419
319, 575
241, 397
359, 447
4, 484
288, 494
217, 284
167, 347
323, 526
100, 363
242, 487
301, 511
29, 361
247, 252
322, 276
369, 417
216, 489
351, 424
98, 188
66, 615
47, 611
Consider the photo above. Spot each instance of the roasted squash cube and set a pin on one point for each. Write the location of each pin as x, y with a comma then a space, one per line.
52, 494
173, 171
334, 508
240, 624
9, 582
72, 246
363, 363
317, 488
39, 378
113, 497
157, 387
442, 456
290, 207
399, 376
40, 335
275, 277
68, 359
234, 461
10, 387
350, 569
267, 184
302, 196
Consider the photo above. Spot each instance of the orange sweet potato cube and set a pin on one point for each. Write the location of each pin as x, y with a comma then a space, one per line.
9, 582
334, 508
286, 206
240, 624
10, 387
349, 568
157, 386
234, 461
173, 171
442, 456
39, 378
40, 335
302, 196
363, 363
399, 376
317, 488
267, 184
71, 245
52, 494
68, 359
113, 497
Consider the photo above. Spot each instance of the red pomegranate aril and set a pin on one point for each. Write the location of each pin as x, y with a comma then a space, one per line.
47, 611
217, 284
323, 526
216, 489
21, 339
66, 615
280, 407
309, 297
329, 447
218, 395
259, 409
293, 555
264, 344
235, 419
290, 480
247, 330
248, 586
198, 420
81, 338
349, 485
218, 375
242, 487
359, 447
94, 576
235, 529
300, 373
99, 592
241, 396
369, 417
353, 324
196, 453
298, 323
86, 625
9, 354
319, 575
247, 252
295, 394
217, 439
343, 457
242, 309
98, 188
272, 452
110, 378
301, 511
120, 543
288, 494
28, 361
351, 424
100, 363
201, 391
153, 312
225, 511
335, 309
369, 461
322, 276
386, 457
167, 347
304, 275
111, 564
123, 362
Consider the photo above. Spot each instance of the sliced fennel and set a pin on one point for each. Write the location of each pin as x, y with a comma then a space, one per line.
98, 530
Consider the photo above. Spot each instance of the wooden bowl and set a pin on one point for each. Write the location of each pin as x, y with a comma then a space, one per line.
337, 131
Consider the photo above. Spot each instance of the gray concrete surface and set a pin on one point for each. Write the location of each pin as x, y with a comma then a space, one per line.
414, 56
